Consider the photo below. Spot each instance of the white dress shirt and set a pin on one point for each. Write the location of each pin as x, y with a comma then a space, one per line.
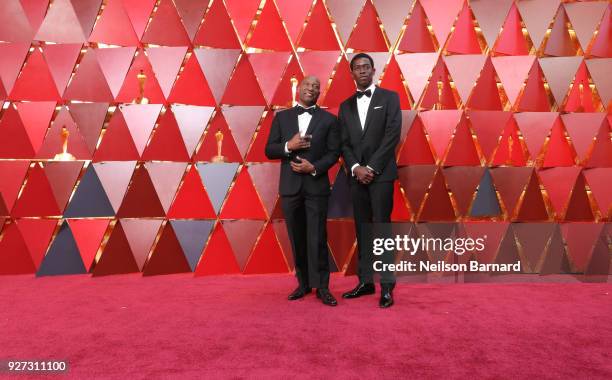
303, 122
363, 104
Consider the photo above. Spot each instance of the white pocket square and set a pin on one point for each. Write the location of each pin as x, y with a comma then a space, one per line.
378, 107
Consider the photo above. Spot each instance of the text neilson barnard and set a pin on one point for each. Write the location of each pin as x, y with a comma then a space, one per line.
442, 266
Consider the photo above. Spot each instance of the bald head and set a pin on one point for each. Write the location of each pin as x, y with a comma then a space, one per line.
310, 78
309, 90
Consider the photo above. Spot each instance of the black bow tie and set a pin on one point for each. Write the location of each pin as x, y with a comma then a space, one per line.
301, 110
367, 93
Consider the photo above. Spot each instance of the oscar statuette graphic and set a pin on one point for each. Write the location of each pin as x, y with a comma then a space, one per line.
580, 98
510, 145
142, 80
219, 157
64, 156
438, 105
294, 84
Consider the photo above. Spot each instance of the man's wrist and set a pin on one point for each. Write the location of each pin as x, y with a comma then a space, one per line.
353, 169
314, 170
287, 148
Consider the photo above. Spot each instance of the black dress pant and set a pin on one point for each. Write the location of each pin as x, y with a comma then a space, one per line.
306, 218
372, 206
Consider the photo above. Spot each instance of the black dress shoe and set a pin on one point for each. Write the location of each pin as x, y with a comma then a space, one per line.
361, 290
298, 293
327, 298
386, 297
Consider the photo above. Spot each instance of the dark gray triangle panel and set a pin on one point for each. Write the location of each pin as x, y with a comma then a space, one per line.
192, 235
340, 205
63, 256
89, 199
485, 203
217, 178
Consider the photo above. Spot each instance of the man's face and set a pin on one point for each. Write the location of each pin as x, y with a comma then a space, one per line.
309, 90
363, 72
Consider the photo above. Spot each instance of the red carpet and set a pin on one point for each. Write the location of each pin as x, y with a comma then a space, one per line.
242, 327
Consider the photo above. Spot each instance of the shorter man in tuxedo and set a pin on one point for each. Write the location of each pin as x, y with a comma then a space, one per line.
307, 141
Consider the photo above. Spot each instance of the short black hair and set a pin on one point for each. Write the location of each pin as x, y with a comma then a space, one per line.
362, 55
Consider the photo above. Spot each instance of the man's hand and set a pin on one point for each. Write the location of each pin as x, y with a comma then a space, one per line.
298, 142
363, 175
303, 167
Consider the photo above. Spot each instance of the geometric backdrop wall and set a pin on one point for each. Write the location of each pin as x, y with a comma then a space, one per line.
507, 115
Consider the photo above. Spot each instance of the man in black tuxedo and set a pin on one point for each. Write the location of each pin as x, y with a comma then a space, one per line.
370, 125
307, 141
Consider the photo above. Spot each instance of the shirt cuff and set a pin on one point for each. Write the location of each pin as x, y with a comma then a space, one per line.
369, 167
353, 169
287, 149
314, 173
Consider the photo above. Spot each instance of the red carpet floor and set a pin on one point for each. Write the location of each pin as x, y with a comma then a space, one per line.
243, 327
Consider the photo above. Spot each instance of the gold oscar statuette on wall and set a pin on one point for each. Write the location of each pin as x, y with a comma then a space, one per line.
438, 105
219, 157
64, 156
510, 144
294, 84
142, 80
580, 98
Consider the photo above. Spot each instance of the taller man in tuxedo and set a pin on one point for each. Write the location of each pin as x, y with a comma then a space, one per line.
370, 125
307, 141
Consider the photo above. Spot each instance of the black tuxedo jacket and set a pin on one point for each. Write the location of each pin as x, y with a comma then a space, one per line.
374, 145
323, 152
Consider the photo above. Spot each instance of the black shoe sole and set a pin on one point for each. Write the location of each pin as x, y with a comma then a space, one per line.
327, 303
300, 297
385, 303
349, 296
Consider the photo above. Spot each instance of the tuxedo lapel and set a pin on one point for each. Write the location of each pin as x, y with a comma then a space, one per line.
314, 120
294, 125
376, 96
355, 114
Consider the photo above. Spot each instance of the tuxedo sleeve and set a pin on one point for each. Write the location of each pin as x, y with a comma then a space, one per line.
393, 127
275, 148
347, 148
332, 153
